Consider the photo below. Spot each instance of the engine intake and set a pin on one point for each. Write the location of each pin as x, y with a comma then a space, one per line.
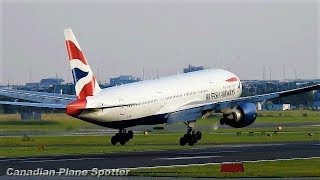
241, 116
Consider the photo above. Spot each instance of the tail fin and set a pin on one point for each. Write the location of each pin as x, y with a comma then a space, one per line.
85, 82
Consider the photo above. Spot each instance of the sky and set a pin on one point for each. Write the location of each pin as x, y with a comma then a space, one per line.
124, 37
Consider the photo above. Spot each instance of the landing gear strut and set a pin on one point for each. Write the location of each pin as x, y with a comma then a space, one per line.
122, 136
191, 137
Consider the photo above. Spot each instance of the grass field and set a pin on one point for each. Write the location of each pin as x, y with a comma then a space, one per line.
27, 146
50, 123
157, 139
275, 169
24, 144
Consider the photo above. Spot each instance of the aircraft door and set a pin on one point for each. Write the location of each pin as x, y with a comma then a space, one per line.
212, 86
161, 99
123, 109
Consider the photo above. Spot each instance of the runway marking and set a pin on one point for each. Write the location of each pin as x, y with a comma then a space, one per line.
191, 157
287, 159
254, 145
48, 160
209, 152
203, 164
17, 159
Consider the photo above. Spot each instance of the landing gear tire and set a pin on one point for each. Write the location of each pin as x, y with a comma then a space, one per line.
123, 141
130, 134
199, 135
114, 140
192, 140
122, 137
183, 141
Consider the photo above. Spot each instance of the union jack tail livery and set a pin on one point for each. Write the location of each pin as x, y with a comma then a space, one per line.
85, 83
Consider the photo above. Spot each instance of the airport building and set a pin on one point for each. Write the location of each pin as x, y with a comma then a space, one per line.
50, 82
45, 85
123, 79
191, 68
32, 86
64, 89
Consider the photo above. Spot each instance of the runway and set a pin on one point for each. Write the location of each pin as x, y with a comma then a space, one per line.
214, 154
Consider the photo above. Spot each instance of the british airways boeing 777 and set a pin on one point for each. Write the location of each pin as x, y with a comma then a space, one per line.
178, 98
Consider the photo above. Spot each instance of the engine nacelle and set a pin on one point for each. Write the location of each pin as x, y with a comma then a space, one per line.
241, 116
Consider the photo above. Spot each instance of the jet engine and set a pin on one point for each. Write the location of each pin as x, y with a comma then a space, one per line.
240, 116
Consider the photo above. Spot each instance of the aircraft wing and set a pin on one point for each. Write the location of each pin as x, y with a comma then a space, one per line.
40, 97
29, 104
46, 100
195, 110
260, 98
217, 106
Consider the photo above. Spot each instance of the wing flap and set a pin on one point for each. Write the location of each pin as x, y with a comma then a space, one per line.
185, 115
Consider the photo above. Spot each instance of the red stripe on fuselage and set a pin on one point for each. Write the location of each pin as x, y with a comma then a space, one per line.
74, 52
233, 79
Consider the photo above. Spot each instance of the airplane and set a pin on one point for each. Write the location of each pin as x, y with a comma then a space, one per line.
182, 98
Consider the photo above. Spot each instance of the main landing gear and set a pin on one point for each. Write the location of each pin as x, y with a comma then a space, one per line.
191, 137
122, 136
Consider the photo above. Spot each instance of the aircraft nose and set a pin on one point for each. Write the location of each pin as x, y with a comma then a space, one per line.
76, 108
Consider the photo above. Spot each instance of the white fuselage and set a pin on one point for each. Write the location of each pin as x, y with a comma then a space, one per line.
161, 96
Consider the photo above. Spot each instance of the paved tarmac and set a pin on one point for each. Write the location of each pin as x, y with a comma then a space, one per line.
166, 158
